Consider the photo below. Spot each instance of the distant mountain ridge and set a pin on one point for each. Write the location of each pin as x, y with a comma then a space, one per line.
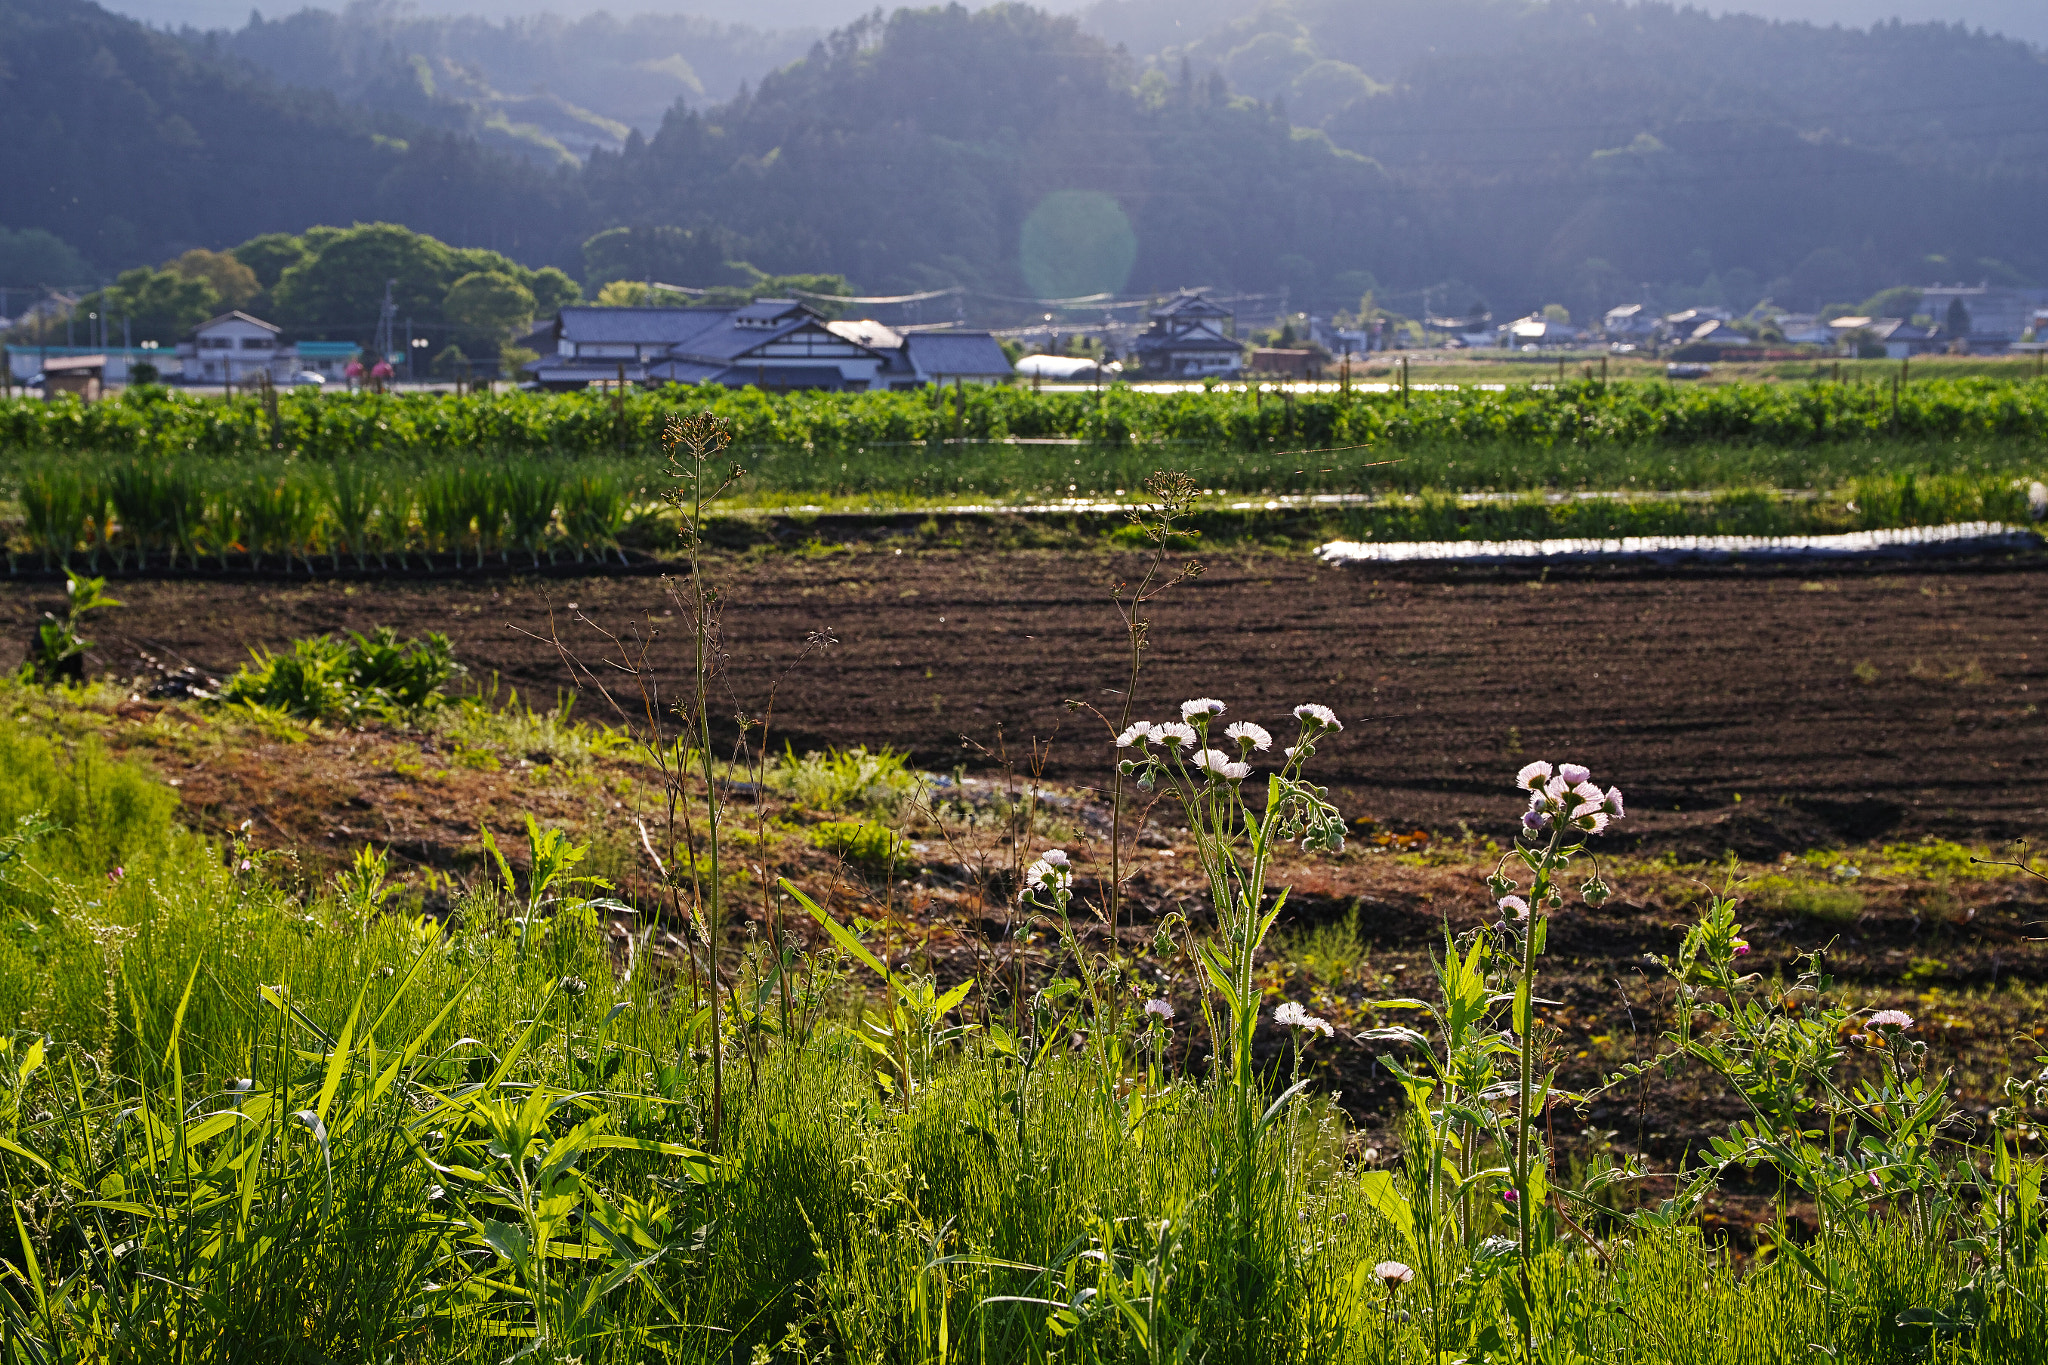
1505, 153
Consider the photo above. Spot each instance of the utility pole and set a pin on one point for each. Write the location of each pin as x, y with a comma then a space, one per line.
387, 317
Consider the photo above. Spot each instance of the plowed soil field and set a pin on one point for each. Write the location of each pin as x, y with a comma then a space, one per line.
1759, 711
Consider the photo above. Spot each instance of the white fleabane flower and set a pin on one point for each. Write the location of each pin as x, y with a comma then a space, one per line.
1533, 776
1614, 806
1589, 792
1236, 772
1898, 1019
1556, 788
1248, 735
1200, 706
1294, 1016
1513, 907
1161, 1008
1318, 715
1210, 761
1138, 734
1593, 822
1177, 733
1573, 773
1056, 856
1048, 875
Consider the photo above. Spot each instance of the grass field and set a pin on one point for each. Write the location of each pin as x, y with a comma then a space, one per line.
251, 1106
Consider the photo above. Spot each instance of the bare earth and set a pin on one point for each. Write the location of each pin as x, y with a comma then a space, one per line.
1758, 711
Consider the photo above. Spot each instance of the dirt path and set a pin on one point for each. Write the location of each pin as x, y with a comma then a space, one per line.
1761, 712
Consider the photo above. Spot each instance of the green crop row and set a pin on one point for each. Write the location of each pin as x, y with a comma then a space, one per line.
157, 422
136, 514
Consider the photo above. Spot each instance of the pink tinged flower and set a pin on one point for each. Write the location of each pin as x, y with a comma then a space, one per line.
1510, 1197
1162, 1008
1614, 806
1875, 1183
1177, 733
1393, 1273
1294, 1016
1533, 776
1200, 706
1574, 773
1556, 788
1891, 1019
246, 865
117, 874
1533, 819
1056, 856
1317, 715
1589, 791
1514, 907
1137, 734
1248, 735
1741, 948
1593, 822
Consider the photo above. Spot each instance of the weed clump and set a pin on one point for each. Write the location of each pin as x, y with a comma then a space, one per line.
352, 678
856, 779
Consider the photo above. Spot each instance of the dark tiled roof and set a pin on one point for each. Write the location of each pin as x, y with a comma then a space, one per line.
728, 342
962, 353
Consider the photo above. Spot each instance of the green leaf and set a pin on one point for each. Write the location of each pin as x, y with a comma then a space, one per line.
840, 934
1389, 1203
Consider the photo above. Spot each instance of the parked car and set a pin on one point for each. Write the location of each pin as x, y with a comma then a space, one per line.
309, 378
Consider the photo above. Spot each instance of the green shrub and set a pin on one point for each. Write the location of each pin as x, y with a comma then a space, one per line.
360, 675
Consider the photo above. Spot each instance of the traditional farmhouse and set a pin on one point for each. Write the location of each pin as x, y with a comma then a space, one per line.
234, 348
771, 344
1189, 339
1630, 322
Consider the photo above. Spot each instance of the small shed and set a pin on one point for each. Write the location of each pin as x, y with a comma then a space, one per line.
83, 375
1291, 364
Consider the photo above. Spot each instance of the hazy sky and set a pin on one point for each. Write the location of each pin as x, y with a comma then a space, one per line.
2026, 19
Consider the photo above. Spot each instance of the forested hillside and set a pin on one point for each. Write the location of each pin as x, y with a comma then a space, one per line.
546, 87
1506, 153
131, 146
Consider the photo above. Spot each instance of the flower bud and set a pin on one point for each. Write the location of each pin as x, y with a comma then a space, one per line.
1595, 892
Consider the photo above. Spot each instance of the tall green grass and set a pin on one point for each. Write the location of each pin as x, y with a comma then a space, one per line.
245, 1123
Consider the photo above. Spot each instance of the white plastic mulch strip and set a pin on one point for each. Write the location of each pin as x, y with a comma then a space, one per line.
1966, 537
